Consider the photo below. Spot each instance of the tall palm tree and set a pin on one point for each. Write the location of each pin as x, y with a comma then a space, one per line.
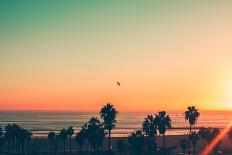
108, 113
70, 132
183, 145
194, 137
63, 136
191, 114
51, 138
164, 122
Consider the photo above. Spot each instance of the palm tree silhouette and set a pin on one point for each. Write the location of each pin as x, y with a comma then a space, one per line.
94, 132
136, 140
191, 115
183, 145
150, 129
194, 137
108, 113
203, 133
164, 122
28, 139
2, 139
80, 138
70, 132
63, 136
51, 138
150, 126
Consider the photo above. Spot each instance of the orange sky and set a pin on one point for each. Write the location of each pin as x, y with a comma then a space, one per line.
69, 57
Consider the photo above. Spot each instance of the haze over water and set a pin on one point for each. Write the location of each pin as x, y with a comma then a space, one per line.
41, 122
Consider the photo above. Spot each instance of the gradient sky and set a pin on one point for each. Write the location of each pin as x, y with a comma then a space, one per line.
68, 55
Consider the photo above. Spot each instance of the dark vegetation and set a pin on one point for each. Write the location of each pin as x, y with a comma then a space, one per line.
90, 138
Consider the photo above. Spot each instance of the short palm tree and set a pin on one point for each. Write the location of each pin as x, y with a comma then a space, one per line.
150, 126
94, 128
191, 114
194, 137
108, 113
51, 138
70, 132
63, 136
183, 145
80, 138
137, 141
2, 139
28, 139
164, 122
203, 133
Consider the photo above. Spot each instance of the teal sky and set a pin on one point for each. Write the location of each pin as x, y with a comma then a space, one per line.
172, 53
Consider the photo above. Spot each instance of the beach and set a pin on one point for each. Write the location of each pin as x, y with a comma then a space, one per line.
43, 147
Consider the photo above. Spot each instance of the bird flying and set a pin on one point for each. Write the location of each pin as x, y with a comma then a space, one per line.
118, 83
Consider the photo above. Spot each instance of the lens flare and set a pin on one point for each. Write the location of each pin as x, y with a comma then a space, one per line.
216, 140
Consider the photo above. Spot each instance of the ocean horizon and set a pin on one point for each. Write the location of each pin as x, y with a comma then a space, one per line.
42, 121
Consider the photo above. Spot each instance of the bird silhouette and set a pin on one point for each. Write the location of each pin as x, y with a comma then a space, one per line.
118, 83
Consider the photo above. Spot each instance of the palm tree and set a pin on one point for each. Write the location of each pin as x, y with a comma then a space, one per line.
80, 138
108, 113
203, 133
183, 145
63, 136
23, 138
70, 132
150, 126
9, 136
136, 140
194, 137
191, 115
94, 130
28, 139
2, 139
150, 130
164, 122
51, 138
85, 134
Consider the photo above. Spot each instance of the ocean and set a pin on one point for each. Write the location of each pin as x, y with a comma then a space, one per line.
41, 122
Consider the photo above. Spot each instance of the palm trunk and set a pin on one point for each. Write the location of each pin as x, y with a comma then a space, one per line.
55, 147
164, 144
23, 147
109, 140
70, 145
64, 147
194, 149
190, 130
204, 144
28, 148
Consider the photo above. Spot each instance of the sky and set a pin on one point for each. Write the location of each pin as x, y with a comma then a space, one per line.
68, 55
